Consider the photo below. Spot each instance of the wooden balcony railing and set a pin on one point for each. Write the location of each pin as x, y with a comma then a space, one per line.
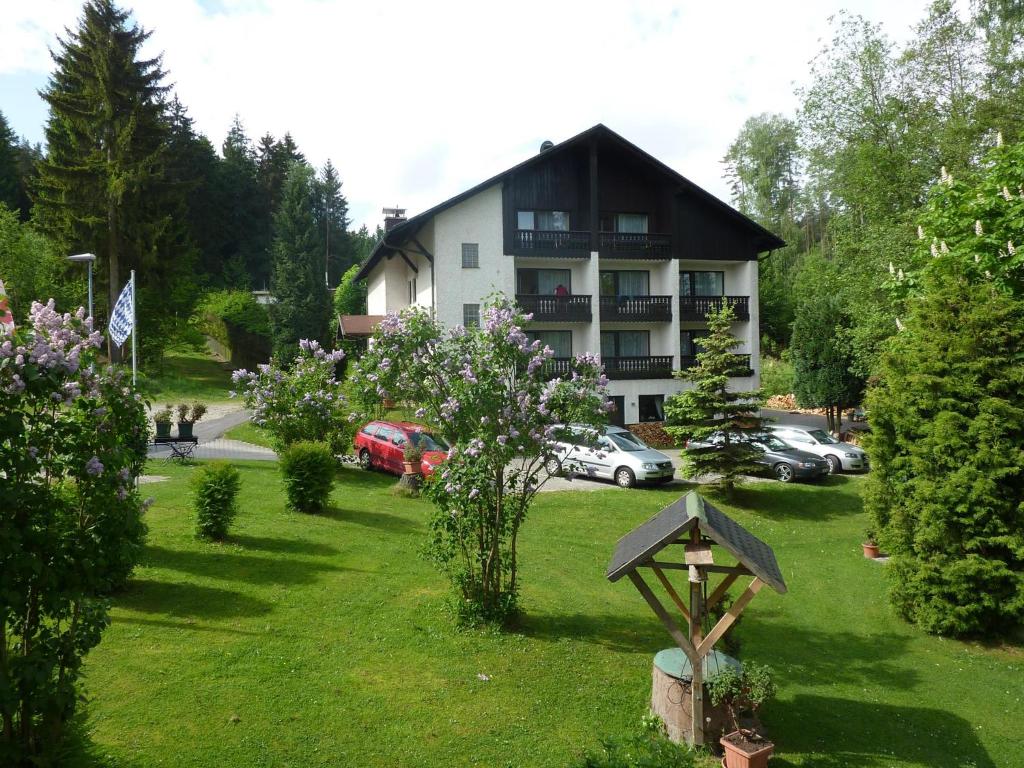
571, 309
699, 307
557, 367
636, 308
659, 367
742, 369
534, 242
636, 245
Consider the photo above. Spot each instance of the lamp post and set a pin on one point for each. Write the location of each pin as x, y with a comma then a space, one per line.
89, 258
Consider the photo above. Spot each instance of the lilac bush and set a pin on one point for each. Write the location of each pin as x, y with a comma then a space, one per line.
304, 401
488, 392
73, 439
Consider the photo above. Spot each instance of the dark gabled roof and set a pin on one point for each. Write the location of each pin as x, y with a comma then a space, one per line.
398, 234
645, 541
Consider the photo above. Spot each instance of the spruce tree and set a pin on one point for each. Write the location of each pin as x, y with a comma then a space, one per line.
332, 220
245, 224
713, 411
9, 176
946, 489
301, 308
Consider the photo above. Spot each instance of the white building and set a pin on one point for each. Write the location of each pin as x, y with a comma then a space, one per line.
611, 250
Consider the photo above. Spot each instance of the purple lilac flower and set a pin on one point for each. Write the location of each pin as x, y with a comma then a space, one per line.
94, 467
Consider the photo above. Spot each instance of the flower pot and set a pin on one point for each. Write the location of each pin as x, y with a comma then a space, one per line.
185, 428
411, 468
743, 753
870, 549
163, 429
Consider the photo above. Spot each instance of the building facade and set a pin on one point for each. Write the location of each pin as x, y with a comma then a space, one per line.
609, 249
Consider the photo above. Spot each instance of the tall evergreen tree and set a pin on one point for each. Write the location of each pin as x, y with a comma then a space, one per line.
332, 220
245, 223
9, 175
712, 411
101, 186
302, 307
29, 156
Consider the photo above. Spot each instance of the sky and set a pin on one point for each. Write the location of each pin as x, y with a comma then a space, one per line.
417, 101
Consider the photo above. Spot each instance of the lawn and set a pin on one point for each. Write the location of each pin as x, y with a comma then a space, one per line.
188, 375
323, 641
249, 433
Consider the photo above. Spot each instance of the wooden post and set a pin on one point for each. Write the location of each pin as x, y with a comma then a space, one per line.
696, 635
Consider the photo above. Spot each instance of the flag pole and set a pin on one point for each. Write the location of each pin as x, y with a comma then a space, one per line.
133, 328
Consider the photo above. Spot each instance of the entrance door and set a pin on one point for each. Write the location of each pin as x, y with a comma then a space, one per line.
618, 416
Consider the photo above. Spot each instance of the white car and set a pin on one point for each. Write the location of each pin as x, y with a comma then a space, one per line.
839, 455
612, 453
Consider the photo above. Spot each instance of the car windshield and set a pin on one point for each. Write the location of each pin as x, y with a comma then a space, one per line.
627, 441
426, 441
822, 436
771, 443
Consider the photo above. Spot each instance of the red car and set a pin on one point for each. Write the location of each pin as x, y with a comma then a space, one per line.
381, 445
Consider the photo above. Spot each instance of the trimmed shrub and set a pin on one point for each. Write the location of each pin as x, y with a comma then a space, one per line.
308, 470
214, 498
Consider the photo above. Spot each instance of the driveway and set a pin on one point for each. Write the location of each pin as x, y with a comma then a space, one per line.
811, 420
212, 444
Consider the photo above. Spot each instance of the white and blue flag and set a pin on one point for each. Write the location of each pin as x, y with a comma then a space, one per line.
123, 315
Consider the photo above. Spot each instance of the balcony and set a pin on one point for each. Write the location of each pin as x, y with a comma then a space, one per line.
557, 367
699, 307
569, 309
642, 309
566, 245
636, 245
742, 371
638, 367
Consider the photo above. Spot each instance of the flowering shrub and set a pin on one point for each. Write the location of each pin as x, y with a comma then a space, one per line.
487, 392
302, 402
72, 441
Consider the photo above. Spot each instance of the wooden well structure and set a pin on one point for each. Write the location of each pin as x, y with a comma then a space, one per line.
682, 537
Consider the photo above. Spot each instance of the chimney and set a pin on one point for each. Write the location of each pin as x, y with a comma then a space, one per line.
393, 217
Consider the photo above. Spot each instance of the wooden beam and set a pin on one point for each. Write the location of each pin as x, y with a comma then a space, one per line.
423, 251
739, 570
661, 613
406, 260
672, 592
703, 646
666, 566
698, 554
721, 589
697, 664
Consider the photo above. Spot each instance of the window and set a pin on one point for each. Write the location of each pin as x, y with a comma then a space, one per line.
385, 433
652, 407
543, 221
470, 255
635, 223
543, 282
471, 315
625, 343
618, 413
412, 291
398, 439
369, 429
625, 282
559, 341
689, 342
702, 283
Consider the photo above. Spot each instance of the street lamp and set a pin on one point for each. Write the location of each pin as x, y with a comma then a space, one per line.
89, 258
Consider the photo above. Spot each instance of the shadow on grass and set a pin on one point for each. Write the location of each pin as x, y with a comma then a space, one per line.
283, 546
226, 565
629, 634
189, 625
385, 521
841, 732
161, 597
775, 501
78, 750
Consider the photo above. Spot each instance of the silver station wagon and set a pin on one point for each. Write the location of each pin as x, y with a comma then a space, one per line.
609, 453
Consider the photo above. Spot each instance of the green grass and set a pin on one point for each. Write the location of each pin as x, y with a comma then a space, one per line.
188, 375
324, 641
249, 433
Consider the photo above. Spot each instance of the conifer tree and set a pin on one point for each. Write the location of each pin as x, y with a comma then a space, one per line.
9, 177
332, 221
712, 412
302, 304
245, 225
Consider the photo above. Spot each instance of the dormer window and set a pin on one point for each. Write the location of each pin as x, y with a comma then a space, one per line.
543, 221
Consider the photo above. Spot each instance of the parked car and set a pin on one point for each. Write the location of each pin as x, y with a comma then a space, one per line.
610, 453
784, 461
381, 445
839, 455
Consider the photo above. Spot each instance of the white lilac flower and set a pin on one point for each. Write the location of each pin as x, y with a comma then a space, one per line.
935, 250
1010, 247
1006, 194
943, 247
977, 228
899, 275
899, 325
892, 269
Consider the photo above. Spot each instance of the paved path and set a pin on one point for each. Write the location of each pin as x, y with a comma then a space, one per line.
212, 444
812, 420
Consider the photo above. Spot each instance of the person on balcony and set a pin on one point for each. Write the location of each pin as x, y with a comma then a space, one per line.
561, 290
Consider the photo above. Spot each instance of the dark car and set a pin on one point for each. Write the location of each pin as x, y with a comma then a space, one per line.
785, 462
381, 445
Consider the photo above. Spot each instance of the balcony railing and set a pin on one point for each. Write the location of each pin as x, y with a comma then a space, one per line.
636, 308
636, 245
533, 242
638, 367
699, 307
741, 371
557, 367
571, 309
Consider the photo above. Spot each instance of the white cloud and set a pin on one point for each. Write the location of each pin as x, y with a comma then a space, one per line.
416, 101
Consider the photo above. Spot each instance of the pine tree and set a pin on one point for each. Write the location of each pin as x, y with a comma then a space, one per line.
101, 185
711, 411
245, 224
332, 221
9, 176
301, 309
29, 156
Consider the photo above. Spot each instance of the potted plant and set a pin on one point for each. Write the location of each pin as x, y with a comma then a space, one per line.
163, 421
743, 692
870, 545
412, 458
188, 416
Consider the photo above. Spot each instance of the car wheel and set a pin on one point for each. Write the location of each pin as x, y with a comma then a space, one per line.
364, 459
835, 466
624, 477
783, 472
553, 466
